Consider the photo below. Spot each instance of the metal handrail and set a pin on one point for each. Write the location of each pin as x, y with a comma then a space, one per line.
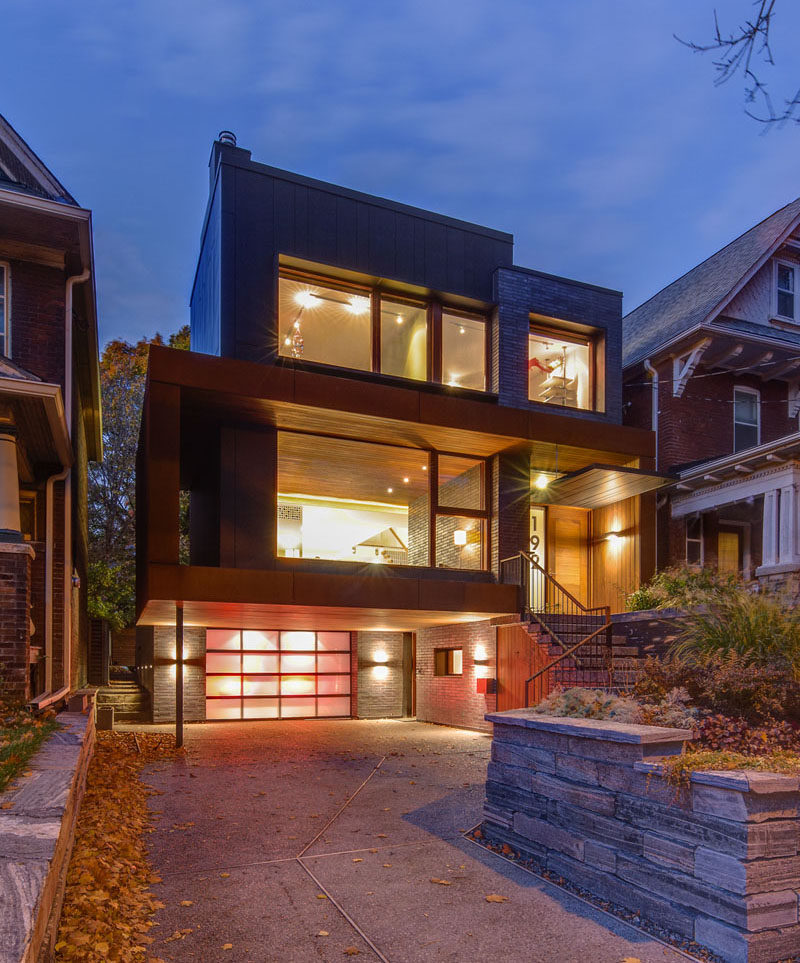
560, 658
558, 613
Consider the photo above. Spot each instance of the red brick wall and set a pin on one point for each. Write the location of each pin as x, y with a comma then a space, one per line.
699, 424
454, 700
15, 600
37, 319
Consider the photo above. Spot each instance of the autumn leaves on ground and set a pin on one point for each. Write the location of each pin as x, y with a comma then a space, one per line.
21, 734
108, 907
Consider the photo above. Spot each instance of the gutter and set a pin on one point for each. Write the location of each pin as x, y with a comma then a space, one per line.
648, 367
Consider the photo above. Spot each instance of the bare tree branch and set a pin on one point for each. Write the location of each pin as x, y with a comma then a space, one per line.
747, 50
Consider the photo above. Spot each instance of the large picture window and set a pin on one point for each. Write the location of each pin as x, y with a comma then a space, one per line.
276, 675
562, 368
368, 329
345, 500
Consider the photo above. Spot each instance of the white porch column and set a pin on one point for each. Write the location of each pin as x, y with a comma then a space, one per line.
787, 529
9, 484
769, 547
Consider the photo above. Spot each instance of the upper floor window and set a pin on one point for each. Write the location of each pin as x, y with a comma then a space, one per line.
746, 418
365, 329
562, 368
5, 311
785, 277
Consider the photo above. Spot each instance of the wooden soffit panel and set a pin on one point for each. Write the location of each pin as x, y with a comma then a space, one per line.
599, 485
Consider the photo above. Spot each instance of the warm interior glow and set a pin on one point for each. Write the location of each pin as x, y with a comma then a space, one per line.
459, 537
559, 369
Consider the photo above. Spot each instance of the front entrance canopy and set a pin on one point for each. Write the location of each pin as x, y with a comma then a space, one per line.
599, 485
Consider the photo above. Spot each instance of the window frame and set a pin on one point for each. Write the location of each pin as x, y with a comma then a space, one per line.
746, 389
591, 339
435, 508
435, 308
699, 540
5, 310
777, 264
445, 652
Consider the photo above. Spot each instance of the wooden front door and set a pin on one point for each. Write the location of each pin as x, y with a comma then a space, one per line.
568, 549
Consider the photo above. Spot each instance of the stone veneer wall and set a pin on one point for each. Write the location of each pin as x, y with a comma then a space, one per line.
377, 697
719, 864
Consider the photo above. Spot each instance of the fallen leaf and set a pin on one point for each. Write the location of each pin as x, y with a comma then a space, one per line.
321, 896
322, 933
494, 898
6, 805
351, 951
224, 875
441, 882
187, 902
358, 860
227, 946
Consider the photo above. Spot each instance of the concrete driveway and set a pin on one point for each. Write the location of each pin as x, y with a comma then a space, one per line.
305, 841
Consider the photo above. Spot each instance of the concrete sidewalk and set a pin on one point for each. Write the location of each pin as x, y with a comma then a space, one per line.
249, 798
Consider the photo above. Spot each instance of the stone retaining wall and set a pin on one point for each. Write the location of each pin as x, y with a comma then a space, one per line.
719, 864
36, 836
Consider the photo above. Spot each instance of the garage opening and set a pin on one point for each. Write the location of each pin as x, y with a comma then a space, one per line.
271, 674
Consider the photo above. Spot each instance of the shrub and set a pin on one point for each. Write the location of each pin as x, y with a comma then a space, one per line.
671, 711
725, 734
684, 588
726, 685
759, 630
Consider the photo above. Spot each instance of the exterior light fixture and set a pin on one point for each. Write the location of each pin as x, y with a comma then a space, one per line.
541, 482
462, 329
460, 536
390, 490
424, 467
380, 672
399, 319
481, 655
614, 539
381, 655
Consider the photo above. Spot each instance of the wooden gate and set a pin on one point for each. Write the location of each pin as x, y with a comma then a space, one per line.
519, 656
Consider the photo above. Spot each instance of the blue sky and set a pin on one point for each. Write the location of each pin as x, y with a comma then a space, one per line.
583, 128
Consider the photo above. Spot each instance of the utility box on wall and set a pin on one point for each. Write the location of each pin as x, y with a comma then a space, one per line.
486, 686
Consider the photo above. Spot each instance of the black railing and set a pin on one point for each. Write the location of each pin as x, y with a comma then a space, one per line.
583, 634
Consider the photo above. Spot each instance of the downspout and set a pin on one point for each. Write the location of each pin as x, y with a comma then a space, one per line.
71, 282
48, 579
650, 369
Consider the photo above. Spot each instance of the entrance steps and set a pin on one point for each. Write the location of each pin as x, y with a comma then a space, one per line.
130, 701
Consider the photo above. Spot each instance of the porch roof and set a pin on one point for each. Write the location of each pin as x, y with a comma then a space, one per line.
736, 477
599, 485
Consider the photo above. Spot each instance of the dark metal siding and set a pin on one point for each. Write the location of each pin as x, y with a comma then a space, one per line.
205, 303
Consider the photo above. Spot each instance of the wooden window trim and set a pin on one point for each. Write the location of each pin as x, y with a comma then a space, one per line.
591, 340
435, 307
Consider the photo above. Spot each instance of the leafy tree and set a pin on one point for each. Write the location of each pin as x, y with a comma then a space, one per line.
112, 483
746, 50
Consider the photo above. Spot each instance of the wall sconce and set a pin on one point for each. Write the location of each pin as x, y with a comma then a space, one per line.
380, 656
481, 655
460, 536
541, 482
380, 672
613, 538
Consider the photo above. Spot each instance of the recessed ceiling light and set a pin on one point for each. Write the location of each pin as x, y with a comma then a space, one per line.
390, 490
405, 481
424, 467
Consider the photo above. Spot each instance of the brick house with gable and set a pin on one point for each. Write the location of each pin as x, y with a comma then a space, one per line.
49, 426
712, 363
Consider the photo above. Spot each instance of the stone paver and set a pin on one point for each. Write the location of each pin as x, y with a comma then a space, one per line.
250, 797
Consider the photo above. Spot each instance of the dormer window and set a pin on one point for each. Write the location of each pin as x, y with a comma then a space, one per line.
785, 278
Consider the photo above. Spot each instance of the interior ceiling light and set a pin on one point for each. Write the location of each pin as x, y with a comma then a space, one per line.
459, 537
306, 299
424, 467
399, 319
390, 490
406, 481
358, 304
462, 329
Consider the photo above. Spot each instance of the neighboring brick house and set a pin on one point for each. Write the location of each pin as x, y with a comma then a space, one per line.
49, 426
712, 362
379, 408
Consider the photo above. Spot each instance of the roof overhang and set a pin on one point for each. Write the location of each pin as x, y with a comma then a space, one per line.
29, 221
599, 485
38, 410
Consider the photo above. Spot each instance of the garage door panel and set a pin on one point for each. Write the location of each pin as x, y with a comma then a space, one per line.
271, 674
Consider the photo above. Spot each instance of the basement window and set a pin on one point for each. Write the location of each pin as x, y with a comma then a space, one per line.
448, 661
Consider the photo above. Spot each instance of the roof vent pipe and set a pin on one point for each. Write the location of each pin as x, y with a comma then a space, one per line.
227, 137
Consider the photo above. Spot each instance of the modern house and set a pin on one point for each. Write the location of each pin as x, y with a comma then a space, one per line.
712, 363
49, 426
379, 413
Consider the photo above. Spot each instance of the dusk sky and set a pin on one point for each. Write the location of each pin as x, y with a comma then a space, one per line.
583, 128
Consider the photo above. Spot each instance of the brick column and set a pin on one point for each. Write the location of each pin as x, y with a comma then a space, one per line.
15, 620
9, 482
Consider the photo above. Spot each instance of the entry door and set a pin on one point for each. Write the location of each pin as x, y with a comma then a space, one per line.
568, 549
729, 550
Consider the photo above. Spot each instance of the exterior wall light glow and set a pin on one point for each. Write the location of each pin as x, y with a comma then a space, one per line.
541, 482
381, 656
380, 672
460, 537
614, 539
481, 655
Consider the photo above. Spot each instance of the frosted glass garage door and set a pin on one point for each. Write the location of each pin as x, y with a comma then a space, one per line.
277, 675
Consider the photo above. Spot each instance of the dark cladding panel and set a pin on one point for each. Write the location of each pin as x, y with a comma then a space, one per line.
321, 227
205, 301
248, 483
254, 262
346, 231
